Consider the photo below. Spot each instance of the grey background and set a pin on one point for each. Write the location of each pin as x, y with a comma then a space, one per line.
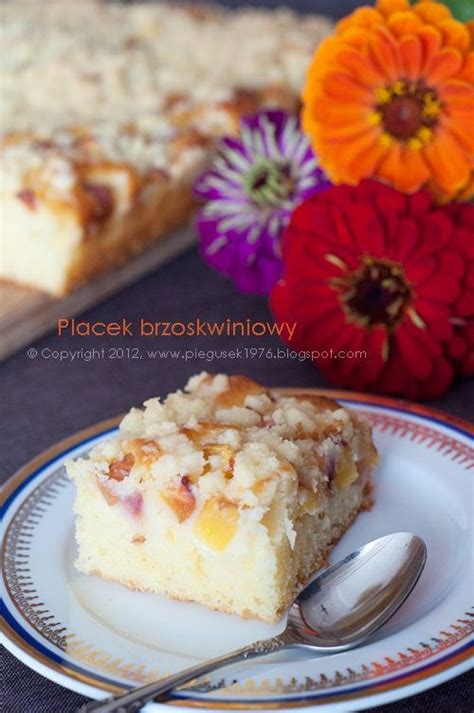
43, 401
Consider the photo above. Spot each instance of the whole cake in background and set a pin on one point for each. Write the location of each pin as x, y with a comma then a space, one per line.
109, 111
226, 494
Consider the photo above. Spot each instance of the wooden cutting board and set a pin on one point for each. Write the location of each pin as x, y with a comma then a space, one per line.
27, 314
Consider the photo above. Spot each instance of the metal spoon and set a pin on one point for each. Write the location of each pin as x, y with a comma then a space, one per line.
337, 610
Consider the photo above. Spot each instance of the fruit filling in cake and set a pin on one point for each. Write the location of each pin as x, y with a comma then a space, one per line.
226, 493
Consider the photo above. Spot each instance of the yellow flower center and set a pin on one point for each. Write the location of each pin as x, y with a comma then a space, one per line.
269, 182
407, 111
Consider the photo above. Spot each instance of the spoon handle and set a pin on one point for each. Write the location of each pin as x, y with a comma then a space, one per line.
132, 701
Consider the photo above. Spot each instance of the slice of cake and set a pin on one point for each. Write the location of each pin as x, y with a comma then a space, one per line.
226, 494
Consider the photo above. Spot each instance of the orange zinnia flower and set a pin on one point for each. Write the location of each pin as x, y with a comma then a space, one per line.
391, 95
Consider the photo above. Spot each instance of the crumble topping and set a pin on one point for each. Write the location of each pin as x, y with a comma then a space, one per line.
190, 449
75, 63
58, 162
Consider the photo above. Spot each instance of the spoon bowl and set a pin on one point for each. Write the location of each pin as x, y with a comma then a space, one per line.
351, 600
337, 610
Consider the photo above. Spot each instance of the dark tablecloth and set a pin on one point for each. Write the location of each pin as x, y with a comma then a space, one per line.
44, 401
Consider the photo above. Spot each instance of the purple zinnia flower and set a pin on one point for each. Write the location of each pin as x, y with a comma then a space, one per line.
250, 191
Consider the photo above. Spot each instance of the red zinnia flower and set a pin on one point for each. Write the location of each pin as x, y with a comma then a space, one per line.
370, 269
461, 347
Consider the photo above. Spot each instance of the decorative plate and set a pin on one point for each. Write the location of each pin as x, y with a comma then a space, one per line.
95, 636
